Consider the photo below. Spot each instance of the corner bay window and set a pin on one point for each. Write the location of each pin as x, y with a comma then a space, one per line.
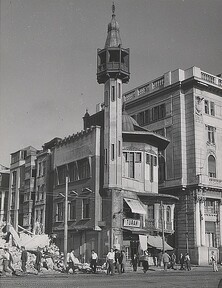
152, 161
132, 162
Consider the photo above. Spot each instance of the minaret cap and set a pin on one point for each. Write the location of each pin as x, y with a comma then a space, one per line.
113, 37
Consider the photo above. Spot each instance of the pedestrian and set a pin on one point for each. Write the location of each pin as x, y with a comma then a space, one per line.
166, 260
93, 261
173, 261
123, 261
38, 259
134, 262
159, 258
214, 262
117, 261
145, 262
181, 259
187, 261
24, 258
70, 261
7, 262
110, 260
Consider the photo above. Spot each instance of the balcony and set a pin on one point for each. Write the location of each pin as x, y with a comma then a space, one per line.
157, 225
209, 181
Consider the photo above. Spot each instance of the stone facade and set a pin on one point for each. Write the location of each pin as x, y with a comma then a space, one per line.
186, 108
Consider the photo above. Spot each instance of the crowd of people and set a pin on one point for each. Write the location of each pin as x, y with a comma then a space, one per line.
115, 261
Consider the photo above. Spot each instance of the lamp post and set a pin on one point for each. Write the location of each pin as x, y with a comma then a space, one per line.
162, 220
74, 193
66, 222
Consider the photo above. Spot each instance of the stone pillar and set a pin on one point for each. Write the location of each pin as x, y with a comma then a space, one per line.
156, 215
197, 212
172, 215
2, 205
220, 221
202, 222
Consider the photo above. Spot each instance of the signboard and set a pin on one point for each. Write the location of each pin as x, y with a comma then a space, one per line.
131, 223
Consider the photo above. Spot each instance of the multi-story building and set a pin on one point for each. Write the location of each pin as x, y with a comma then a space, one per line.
44, 189
21, 188
4, 190
186, 107
112, 171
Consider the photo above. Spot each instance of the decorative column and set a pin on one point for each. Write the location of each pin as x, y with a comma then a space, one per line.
156, 215
197, 216
220, 221
172, 216
202, 221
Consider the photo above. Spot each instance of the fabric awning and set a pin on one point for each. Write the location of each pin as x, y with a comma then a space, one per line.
157, 242
135, 206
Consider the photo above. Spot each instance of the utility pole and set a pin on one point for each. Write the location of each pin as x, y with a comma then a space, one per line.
66, 222
162, 218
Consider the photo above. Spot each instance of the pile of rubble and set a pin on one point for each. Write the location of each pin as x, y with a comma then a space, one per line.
52, 259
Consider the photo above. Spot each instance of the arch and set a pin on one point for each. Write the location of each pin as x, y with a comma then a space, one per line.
212, 166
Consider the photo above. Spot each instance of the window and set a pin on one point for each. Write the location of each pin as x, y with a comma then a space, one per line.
105, 156
119, 148
83, 168
60, 211
112, 151
132, 164
152, 161
62, 174
206, 106
113, 93
168, 214
150, 212
14, 177
85, 208
119, 90
212, 109
209, 107
72, 210
43, 167
211, 166
73, 171
161, 171
40, 168
211, 132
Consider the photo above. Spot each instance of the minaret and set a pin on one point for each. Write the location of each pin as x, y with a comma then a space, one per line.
113, 71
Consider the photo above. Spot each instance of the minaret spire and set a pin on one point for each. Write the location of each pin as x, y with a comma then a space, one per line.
113, 9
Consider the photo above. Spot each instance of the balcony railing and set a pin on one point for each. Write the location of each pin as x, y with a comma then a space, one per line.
152, 224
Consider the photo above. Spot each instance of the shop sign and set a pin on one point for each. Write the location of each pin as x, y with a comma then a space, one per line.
131, 223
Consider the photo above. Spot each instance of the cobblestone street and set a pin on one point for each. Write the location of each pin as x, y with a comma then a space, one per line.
199, 277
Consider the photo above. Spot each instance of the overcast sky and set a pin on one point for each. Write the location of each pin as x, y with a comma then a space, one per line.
48, 57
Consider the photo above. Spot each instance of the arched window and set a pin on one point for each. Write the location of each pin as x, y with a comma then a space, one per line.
161, 169
211, 166
168, 214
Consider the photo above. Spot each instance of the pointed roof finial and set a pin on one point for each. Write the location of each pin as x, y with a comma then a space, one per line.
113, 8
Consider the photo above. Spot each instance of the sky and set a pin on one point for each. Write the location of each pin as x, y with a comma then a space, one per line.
48, 58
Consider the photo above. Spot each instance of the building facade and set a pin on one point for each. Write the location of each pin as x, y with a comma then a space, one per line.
186, 107
21, 188
112, 171
4, 190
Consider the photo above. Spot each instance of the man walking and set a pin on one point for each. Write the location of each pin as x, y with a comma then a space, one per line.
166, 260
24, 258
110, 260
94, 259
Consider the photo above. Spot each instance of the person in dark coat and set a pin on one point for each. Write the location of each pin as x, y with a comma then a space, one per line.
38, 258
181, 261
24, 258
135, 262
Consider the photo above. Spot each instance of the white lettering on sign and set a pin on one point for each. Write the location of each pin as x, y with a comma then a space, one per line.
131, 223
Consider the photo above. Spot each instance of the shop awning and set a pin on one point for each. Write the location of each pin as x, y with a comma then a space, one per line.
157, 242
135, 230
135, 206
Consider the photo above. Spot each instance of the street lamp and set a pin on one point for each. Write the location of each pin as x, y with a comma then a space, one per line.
72, 193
